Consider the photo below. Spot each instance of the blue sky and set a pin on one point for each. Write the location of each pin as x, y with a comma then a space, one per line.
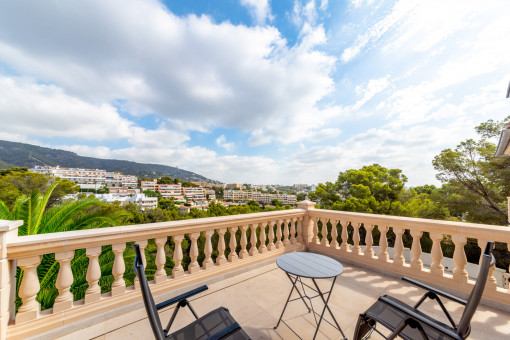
254, 91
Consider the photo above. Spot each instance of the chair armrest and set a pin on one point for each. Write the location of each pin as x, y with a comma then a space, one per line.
434, 290
419, 318
181, 297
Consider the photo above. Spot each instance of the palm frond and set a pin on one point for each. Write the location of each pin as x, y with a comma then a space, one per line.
57, 217
5, 214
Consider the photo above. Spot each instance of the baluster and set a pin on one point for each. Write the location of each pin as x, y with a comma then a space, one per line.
93, 293
119, 267
345, 247
221, 259
383, 244
398, 259
324, 241
243, 253
286, 240
160, 274
459, 257
270, 245
416, 262
293, 240
177, 270
279, 234
208, 262
194, 266
492, 284
142, 244
299, 230
315, 239
356, 249
64, 281
334, 234
233, 244
253, 240
262, 247
369, 240
28, 289
436, 268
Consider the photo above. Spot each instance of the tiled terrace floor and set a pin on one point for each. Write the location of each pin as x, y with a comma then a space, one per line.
256, 299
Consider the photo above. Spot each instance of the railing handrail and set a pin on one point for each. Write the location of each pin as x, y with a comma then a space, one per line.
471, 230
24, 246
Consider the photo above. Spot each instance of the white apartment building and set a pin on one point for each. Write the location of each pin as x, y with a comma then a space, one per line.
194, 193
166, 190
123, 191
76, 175
143, 201
210, 194
148, 185
170, 190
116, 179
89, 178
245, 196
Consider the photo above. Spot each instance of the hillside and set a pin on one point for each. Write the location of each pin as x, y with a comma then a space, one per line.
27, 155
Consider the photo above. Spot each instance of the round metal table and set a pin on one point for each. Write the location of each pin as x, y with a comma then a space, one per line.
311, 266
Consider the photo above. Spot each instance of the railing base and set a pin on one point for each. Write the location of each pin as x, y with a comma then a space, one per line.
498, 299
52, 326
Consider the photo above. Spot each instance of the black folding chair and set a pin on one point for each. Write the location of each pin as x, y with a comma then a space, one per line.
218, 324
411, 324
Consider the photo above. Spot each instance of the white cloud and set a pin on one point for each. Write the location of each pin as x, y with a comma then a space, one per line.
376, 31
372, 88
324, 5
191, 70
360, 3
44, 110
200, 160
221, 141
305, 13
259, 10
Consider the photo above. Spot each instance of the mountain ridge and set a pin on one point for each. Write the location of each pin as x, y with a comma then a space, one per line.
28, 155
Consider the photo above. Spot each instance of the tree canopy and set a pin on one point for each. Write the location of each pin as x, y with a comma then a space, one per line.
15, 182
476, 184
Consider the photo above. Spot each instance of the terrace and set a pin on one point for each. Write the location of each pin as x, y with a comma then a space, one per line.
247, 281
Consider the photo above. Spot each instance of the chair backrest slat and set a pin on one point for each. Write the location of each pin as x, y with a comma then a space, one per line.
476, 294
150, 306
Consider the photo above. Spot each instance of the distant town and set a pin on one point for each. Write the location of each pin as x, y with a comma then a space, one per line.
115, 187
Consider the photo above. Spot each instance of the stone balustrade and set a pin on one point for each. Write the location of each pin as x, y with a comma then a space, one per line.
240, 241
281, 227
347, 225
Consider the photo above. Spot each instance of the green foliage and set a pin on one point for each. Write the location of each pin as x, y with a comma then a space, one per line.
301, 196
15, 182
38, 218
165, 180
276, 203
372, 189
476, 182
150, 193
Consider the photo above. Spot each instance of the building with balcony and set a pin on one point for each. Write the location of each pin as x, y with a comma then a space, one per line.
243, 276
210, 194
244, 196
116, 179
141, 200
233, 186
174, 191
170, 191
194, 193
76, 175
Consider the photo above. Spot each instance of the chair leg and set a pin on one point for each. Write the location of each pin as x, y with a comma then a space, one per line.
364, 327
